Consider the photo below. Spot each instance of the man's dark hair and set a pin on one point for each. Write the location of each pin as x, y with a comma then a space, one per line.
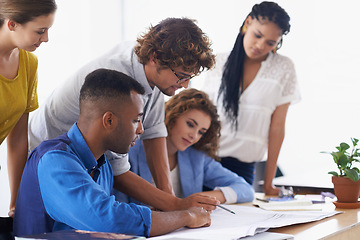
106, 84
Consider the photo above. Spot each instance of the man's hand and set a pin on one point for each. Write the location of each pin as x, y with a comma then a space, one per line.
164, 222
199, 217
198, 200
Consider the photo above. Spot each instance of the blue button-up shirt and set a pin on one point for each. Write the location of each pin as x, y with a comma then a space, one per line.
58, 193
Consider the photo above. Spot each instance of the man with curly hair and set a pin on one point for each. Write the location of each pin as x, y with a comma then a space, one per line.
162, 60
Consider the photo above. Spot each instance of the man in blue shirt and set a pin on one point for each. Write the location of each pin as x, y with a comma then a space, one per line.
163, 59
67, 181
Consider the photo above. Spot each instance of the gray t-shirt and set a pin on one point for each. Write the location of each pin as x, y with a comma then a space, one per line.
61, 109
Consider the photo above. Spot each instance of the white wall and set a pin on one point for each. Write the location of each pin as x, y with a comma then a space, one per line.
323, 43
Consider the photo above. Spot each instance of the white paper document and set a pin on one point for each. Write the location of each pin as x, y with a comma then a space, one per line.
293, 205
247, 221
270, 236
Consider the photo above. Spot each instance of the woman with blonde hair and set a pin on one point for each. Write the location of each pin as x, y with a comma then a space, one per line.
193, 132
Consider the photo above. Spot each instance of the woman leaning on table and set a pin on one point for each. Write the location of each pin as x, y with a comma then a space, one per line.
253, 87
24, 25
193, 129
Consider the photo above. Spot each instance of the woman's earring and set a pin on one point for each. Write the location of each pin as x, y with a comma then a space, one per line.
274, 50
243, 30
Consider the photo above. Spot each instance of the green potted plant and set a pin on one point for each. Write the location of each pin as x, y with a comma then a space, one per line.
346, 180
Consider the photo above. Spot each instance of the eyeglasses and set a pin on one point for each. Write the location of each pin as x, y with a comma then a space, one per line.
181, 79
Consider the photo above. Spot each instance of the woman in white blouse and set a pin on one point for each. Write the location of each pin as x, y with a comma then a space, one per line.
253, 87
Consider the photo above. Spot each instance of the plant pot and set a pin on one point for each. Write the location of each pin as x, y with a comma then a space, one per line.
346, 190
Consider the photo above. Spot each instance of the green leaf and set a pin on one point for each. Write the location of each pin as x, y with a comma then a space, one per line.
335, 156
356, 153
344, 146
354, 141
333, 173
343, 161
352, 174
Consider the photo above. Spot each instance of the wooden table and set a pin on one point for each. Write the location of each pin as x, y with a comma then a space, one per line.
341, 226
345, 226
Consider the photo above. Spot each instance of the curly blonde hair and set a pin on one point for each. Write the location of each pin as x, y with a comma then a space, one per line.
187, 100
176, 42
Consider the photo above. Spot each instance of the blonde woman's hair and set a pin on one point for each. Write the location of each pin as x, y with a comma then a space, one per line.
190, 99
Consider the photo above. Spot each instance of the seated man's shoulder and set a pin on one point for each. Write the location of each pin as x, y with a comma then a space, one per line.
60, 143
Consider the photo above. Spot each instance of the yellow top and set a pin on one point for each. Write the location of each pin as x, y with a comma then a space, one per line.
18, 95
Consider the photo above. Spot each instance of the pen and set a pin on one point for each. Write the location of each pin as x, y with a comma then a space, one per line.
226, 209
262, 200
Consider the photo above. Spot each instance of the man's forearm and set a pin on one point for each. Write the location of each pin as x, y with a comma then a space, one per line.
138, 188
157, 160
164, 222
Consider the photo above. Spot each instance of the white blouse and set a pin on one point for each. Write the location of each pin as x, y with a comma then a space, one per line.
275, 84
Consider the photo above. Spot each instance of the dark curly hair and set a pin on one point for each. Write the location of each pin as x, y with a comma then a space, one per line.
232, 79
176, 42
187, 100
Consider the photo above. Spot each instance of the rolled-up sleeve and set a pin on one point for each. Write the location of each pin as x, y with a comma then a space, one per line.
119, 162
154, 126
